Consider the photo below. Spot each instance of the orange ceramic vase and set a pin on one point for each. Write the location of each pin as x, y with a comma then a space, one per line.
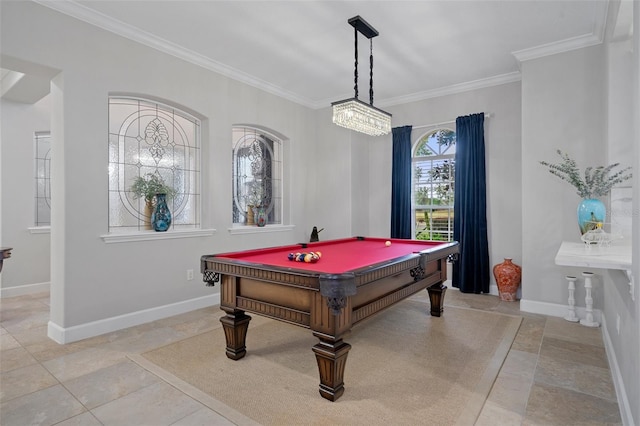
508, 276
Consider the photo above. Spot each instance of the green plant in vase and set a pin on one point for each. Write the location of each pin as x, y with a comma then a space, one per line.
256, 202
147, 187
594, 182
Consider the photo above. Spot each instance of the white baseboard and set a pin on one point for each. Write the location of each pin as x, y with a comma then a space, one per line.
493, 289
64, 335
556, 310
544, 308
21, 290
618, 383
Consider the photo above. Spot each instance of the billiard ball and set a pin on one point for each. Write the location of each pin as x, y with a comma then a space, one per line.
388, 243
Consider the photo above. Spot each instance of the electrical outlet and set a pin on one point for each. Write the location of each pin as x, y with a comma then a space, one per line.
618, 324
189, 274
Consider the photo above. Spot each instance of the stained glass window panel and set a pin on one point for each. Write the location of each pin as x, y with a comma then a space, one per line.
149, 138
42, 141
257, 175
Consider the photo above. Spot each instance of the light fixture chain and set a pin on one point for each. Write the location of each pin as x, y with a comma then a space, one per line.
355, 72
371, 72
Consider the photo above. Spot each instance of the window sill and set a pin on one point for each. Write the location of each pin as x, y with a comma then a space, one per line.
240, 230
40, 230
152, 235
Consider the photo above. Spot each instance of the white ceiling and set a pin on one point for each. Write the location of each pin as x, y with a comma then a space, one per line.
303, 49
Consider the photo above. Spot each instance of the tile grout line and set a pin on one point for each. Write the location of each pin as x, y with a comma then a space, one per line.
535, 368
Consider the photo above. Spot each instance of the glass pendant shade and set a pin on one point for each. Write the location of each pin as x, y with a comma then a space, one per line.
352, 113
361, 117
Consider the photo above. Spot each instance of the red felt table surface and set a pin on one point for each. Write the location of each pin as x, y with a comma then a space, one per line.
338, 256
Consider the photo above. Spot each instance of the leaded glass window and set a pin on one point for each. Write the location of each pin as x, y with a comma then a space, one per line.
42, 141
147, 138
433, 185
257, 175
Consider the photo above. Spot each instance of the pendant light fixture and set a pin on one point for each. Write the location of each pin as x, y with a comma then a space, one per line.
353, 113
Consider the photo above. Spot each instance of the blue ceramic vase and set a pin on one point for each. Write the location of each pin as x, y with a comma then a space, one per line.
591, 212
161, 217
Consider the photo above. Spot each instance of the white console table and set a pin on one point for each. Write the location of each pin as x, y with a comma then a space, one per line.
594, 256
598, 257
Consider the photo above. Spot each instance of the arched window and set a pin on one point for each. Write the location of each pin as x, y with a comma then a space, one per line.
433, 163
257, 175
151, 140
43, 179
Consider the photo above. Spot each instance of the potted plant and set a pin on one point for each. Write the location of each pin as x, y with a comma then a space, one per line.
597, 182
256, 200
148, 187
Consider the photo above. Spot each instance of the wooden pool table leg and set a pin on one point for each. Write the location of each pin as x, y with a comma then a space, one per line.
436, 296
235, 325
332, 358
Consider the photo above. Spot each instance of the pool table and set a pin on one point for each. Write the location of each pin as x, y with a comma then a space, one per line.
353, 279
5, 253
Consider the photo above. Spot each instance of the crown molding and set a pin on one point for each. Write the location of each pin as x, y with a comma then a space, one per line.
586, 40
78, 11
453, 89
557, 47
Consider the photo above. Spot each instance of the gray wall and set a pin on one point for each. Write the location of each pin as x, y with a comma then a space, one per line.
563, 107
577, 101
92, 281
340, 181
630, 366
24, 275
624, 345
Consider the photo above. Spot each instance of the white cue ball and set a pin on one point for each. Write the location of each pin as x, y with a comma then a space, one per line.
388, 243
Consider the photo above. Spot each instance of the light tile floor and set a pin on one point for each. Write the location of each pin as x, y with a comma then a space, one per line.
556, 373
